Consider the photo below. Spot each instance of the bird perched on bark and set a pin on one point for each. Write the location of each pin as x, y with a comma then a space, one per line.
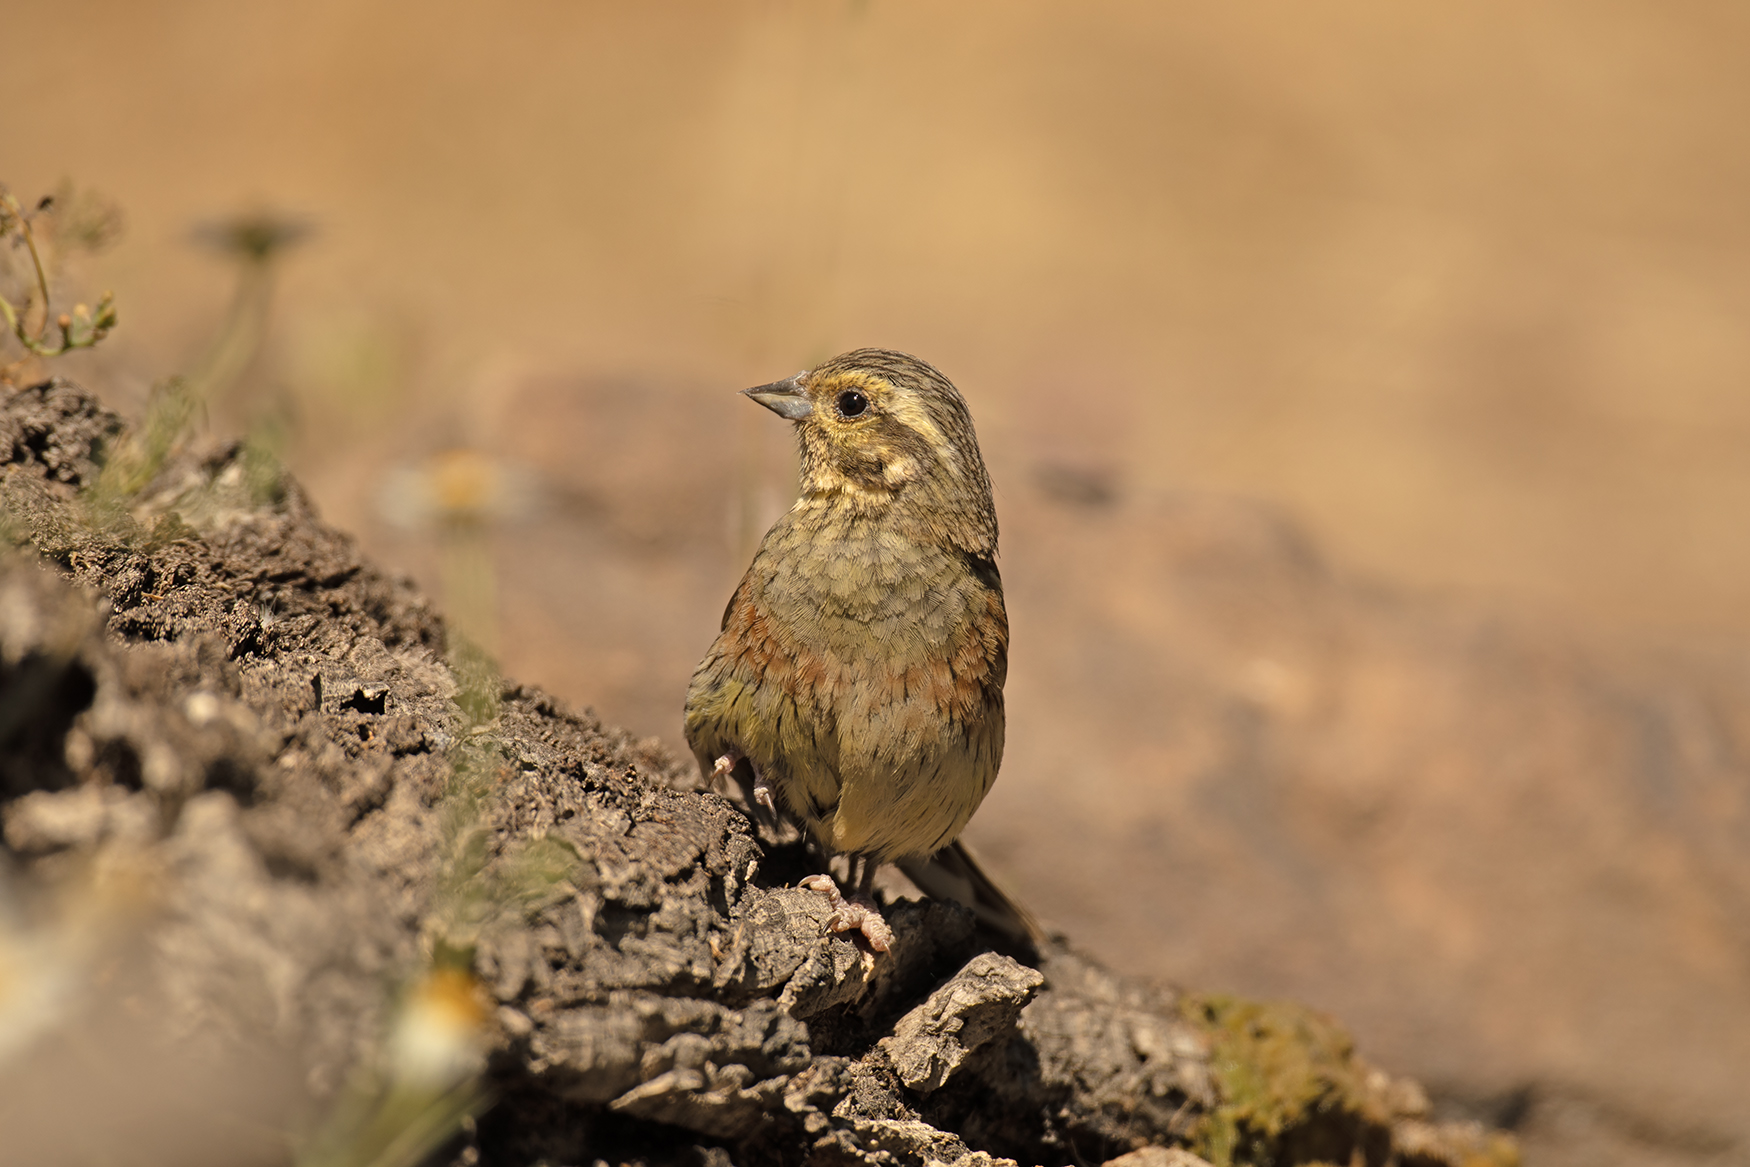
857, 682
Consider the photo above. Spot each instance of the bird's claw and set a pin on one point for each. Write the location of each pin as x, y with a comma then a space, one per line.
724, 767
853, 915
763, 808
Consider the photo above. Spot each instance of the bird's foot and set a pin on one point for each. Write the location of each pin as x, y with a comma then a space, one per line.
723, 769
763, 808
857, 914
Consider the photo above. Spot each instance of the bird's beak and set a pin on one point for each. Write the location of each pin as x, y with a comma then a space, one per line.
785, 398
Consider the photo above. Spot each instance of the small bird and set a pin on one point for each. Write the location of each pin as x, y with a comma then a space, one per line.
857, 683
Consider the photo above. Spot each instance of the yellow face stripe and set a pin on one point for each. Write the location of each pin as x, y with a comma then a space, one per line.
906, 410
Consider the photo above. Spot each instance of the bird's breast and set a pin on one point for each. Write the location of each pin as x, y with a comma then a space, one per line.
852, 587
869, 623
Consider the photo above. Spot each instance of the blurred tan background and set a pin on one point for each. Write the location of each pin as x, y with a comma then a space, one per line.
1461, 290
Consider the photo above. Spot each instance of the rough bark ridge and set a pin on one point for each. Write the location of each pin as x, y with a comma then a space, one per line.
207, 698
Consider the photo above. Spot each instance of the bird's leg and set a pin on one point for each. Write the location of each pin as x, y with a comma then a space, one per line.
866, 880
859, 913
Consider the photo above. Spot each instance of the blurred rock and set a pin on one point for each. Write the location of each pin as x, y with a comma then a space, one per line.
1508, 850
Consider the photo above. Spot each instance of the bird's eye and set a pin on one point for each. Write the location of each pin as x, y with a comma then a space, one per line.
852, 404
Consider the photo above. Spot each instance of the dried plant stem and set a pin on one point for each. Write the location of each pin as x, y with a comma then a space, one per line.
80, 329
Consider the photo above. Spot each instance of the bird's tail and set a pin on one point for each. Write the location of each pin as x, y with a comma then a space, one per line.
953, 874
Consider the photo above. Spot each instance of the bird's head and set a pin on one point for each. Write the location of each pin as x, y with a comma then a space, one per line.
880, 429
